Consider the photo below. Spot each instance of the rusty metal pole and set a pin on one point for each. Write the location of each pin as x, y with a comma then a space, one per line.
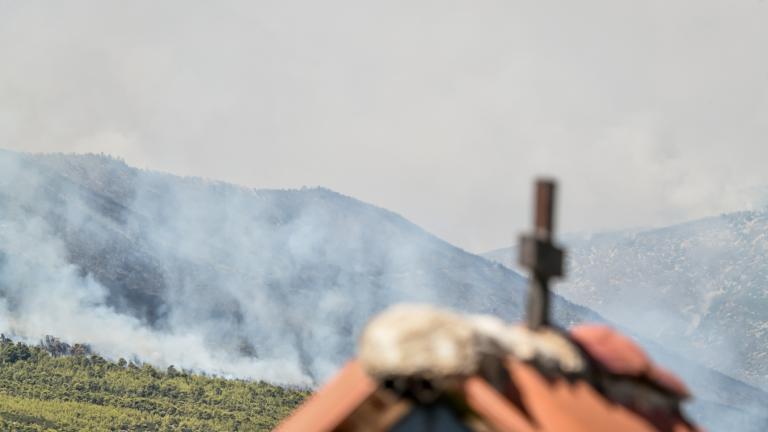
539, 254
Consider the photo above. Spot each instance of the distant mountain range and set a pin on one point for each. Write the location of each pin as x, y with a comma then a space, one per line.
277, 283
700, 287
266, 284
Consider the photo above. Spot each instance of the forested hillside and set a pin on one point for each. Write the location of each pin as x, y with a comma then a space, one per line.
41, 391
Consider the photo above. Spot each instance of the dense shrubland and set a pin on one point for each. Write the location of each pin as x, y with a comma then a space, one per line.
55, 386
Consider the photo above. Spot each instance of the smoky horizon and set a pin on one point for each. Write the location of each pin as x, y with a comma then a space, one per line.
648, 113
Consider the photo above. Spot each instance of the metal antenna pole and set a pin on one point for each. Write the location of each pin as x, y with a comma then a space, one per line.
539, 254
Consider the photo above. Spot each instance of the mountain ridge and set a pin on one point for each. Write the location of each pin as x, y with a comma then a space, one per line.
265, 284
705, 280
143, 235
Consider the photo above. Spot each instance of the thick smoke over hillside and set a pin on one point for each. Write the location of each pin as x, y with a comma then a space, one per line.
48, 287
273, 285
265, 284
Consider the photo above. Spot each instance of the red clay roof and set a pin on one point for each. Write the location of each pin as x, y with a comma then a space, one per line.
353, 401
333, 403
494, 407
620, 356
543, 405
562, 405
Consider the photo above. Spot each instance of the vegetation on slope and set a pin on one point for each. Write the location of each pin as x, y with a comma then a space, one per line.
44, 388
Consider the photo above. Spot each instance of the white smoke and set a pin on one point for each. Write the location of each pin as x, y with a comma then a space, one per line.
44, 294
272, 285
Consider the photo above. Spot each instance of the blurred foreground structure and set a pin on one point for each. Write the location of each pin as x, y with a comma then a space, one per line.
424, 369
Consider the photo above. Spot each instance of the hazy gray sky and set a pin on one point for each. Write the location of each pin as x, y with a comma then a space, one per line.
649, 112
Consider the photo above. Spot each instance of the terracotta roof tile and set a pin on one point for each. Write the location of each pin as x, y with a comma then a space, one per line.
619, 355
495, 408
333, 403
353, 401
575, 406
